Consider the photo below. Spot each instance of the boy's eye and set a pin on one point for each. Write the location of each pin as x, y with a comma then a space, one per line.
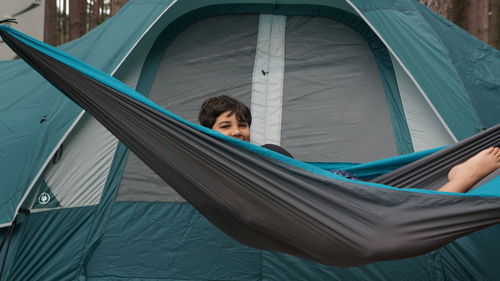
243, 125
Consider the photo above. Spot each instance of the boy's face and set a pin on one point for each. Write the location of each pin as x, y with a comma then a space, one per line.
229, 125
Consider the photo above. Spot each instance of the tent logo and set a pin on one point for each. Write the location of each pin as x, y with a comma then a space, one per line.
44, 198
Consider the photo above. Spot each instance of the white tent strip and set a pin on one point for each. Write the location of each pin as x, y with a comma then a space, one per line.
267, 80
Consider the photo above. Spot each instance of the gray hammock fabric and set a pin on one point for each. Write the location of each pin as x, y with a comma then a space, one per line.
260, 198
429, 171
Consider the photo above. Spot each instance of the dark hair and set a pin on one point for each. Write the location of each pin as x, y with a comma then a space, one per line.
213, 107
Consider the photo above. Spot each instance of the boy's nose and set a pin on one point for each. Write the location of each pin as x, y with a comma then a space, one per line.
236, 132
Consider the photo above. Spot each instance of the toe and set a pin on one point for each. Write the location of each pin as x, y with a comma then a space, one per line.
489, 150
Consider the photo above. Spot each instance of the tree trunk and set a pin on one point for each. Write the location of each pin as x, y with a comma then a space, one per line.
477, 19
116, 5
494, 26
445, 8
63, 22
77, 20
95, 16
102, 14
50, 26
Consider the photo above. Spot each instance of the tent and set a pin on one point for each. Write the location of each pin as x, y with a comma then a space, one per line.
92, 206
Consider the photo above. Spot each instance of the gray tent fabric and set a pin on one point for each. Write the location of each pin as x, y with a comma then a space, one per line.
331, 82
322, 57
263, 199
182, 83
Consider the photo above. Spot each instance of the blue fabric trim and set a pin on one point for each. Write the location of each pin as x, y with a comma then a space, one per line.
378, 167
488, 189
121, 87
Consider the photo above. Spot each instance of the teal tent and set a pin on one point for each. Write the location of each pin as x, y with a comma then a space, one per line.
96, 212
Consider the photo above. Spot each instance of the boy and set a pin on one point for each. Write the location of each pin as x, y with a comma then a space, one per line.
233, 119
227, 116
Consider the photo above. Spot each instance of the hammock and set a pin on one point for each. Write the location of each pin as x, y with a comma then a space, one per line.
430, 171
259, 197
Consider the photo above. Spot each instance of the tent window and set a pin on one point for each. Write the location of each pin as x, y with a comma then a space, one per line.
328, 101
214, 56
335, 107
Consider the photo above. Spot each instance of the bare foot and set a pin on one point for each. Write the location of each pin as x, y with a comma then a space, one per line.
464, 176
